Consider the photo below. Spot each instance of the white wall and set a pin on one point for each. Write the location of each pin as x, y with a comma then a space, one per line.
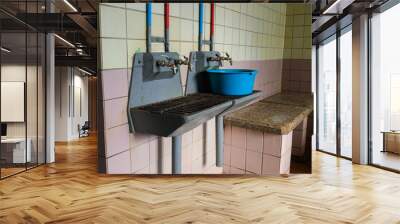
70, 83
34, 125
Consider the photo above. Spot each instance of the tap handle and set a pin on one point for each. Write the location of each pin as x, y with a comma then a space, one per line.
227, 55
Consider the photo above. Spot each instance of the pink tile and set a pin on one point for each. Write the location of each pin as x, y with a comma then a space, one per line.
167, 164
254, 162
227, 170
115, 112
187, 153
271, 165
198, 149
227, 155
137, 139
154, 157
238, 137
187, 138
238, 158
197, 166
272, 144
213, 170
117, 140
166, 146
119, 164
140, 157
211, 157
186, 166
115, 83
254, 140
198, 133
227, 134
235, 170
145, 170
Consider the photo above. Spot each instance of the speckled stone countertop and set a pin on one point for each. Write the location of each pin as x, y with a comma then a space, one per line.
280, 116
292, 98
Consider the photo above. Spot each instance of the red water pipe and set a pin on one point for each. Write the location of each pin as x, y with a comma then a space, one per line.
212, 26
166, 27
166, 15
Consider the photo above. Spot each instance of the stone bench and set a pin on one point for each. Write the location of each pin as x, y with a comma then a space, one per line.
261, 138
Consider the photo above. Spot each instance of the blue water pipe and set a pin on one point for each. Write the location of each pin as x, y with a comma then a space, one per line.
148, 26
201, 15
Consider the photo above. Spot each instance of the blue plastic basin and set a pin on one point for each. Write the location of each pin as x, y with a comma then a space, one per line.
232, 82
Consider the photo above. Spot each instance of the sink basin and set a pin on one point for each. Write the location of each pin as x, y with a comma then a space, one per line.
232, 82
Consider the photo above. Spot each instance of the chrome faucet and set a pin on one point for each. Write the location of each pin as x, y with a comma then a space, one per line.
171, 63
220, 58
183, 60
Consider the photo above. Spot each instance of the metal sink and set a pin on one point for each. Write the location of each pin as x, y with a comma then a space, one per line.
158, 106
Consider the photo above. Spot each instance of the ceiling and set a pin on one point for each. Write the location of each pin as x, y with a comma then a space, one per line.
74, 22
331, 15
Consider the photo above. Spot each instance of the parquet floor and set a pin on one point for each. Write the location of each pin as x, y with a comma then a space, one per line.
71, 191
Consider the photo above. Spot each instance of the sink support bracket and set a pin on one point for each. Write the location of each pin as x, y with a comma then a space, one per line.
219, 124
177, 154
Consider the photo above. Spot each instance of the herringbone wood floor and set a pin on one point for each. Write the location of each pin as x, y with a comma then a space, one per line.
71, 191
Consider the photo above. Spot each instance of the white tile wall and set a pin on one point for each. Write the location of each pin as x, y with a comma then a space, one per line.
241, 27
297, 44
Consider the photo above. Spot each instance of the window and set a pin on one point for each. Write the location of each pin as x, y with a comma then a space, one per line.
334, 131
385, 89
327, 96
346, 92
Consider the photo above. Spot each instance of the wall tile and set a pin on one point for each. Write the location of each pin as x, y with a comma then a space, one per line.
238, 137
113, 22
226, 170
227, 155
197, 166
112, 78
113, 53
197, 149
140, 157
116, 140
175, 28
154, 156
254, 140
272, 144
134, 46
238, 158
235, 170
271, 165
186, 10
219, 16
119, 164
187, 138
228, 134
136, 24
115, 112
158, 26
137, 139
254, 162
136, 6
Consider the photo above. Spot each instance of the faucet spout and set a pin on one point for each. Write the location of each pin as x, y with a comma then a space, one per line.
168, 62
220, 59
